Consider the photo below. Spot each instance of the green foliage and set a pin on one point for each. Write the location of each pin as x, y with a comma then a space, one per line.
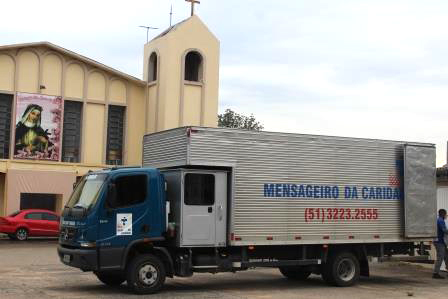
231, 119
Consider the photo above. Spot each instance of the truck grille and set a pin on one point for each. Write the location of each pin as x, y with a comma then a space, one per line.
67, 234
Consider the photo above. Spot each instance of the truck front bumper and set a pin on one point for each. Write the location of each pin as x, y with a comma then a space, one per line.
84, 259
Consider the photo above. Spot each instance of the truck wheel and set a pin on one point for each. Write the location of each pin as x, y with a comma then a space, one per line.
111, 278
21, 234
341, 269
145, 274
295, 272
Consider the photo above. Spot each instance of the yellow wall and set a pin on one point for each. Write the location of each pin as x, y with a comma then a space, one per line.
74, 81
6, 73
28, 68
52, 75
96, 87
94, 130
117, 92
135, 125
152, 106
192, 107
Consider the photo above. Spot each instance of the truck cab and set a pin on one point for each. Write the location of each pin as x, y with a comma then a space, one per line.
108, 213
118, 224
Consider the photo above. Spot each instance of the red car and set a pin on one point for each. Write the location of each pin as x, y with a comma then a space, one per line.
30, 223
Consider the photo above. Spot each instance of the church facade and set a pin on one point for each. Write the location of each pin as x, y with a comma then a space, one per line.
63, 114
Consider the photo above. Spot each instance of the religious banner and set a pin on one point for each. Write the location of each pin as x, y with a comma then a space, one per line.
38, 127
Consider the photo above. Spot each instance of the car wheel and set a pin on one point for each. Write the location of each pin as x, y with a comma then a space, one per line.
295, 272
145, 274
111, 278
341, 269
21, 234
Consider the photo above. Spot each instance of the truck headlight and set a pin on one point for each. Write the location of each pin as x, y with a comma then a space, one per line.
87, 244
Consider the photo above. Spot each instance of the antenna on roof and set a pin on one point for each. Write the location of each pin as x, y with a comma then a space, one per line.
147, 31
171, 14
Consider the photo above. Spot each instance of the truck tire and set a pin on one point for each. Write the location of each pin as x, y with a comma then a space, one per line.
21, 234
295, 272
341, 269
145, 274
111, 278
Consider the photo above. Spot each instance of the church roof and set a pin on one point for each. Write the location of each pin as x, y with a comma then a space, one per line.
169, 29
77, 56
181, 23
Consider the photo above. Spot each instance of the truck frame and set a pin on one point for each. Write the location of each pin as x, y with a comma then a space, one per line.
225, 200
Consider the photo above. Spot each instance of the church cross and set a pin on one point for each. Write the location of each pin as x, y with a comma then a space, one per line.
193, 2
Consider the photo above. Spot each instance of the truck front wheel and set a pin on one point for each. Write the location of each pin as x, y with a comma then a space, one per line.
295, 272
341, 269
146, 274
110, 278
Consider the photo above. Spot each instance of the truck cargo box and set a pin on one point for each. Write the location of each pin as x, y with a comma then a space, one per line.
307, 189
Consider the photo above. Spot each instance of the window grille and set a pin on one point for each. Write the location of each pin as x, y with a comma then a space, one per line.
5, 124
71, 138
152, 76
115, 135
193, 66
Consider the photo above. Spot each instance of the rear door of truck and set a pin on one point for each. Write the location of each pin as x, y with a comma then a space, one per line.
420, 202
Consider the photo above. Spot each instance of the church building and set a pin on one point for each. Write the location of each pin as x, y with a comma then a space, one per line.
63, 114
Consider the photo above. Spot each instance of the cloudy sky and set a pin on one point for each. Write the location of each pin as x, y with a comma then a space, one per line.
362, 68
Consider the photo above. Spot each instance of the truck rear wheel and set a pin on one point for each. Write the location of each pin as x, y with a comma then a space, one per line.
146, 274
295, 272
111, 278
341, 269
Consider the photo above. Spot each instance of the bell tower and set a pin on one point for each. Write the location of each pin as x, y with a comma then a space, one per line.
181, 68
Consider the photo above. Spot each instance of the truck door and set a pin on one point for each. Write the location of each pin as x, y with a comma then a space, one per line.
124, 217
420, 203
204, 209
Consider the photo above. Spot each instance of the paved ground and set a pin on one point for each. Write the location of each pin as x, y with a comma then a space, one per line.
32, 270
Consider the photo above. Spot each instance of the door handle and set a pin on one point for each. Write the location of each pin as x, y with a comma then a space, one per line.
145, 228
220, 213
210, 209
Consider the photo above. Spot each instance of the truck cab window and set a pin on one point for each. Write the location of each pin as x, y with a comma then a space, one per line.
199, 189
130, 190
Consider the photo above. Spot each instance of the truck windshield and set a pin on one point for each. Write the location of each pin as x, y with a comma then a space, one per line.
87, 191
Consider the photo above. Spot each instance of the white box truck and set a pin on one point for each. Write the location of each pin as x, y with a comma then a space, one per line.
225, 200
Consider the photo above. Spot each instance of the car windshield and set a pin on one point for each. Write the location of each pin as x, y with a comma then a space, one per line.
87, 191
14, 214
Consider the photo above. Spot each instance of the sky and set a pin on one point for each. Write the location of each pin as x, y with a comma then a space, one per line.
357, 68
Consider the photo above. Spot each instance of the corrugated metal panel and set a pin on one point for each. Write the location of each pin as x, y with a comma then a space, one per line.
165, 149
280, 158
442, 199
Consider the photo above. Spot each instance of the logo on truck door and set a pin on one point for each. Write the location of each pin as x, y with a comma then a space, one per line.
124, 224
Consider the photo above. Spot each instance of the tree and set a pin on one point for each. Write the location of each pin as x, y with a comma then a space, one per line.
231, 119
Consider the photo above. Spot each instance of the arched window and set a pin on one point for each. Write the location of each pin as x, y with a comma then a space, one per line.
152, 67
193, 66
